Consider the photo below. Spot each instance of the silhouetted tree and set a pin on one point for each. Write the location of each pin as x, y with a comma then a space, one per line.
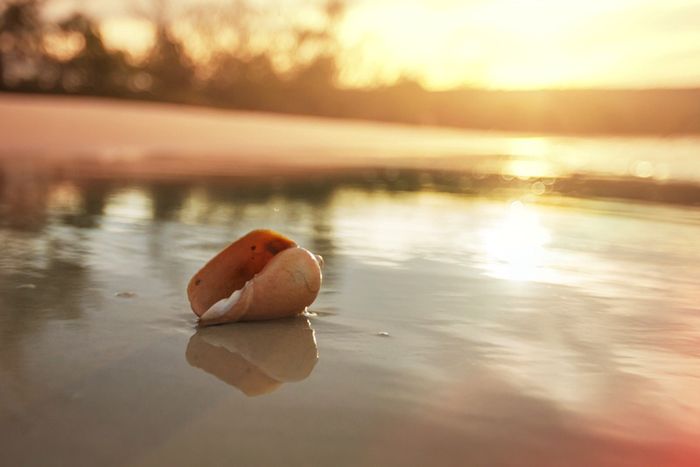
94, 69
171, 69
21, 50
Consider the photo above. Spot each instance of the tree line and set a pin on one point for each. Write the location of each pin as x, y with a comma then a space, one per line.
33, 58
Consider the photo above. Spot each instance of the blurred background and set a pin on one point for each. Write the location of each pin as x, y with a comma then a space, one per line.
623, 67
506, 194
551, 97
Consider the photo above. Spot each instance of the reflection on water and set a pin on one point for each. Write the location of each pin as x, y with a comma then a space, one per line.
530, 158
255, 357
130, 204
515, 246
564, 333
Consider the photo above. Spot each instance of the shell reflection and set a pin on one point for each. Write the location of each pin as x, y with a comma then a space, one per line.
256, 357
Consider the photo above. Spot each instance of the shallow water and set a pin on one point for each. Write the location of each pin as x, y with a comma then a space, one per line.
450, 330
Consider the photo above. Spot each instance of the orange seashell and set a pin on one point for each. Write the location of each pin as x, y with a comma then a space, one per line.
262, 275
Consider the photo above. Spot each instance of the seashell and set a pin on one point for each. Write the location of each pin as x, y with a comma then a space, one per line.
262, 275
256, 357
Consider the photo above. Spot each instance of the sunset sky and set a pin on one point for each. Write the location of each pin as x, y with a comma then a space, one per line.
511, 44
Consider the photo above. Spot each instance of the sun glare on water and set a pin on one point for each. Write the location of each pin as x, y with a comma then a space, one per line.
529, 158
515, 246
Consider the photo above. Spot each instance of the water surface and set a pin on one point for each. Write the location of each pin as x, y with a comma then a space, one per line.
450, 330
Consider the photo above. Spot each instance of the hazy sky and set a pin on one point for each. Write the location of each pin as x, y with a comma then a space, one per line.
498, 43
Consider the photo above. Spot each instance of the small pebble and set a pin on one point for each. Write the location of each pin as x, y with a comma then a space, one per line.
383, 334
125, 294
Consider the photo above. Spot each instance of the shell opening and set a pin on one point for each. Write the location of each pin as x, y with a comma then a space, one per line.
223, 306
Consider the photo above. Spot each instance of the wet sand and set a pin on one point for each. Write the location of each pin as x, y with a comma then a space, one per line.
452, 329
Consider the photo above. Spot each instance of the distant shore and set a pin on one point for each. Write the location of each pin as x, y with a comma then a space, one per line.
575, 112
89, 139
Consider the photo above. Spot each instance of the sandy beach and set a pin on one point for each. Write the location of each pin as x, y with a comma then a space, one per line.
452, 329
111, 138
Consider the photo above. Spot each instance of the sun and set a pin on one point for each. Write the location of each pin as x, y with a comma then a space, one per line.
513, 44
497, 44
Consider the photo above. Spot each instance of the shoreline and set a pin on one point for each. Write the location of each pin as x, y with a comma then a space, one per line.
87, 139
